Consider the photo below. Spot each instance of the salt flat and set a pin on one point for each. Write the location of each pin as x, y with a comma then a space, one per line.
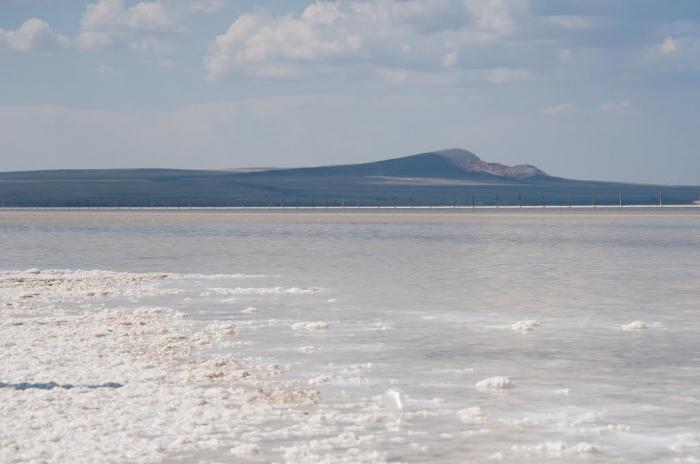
350, 336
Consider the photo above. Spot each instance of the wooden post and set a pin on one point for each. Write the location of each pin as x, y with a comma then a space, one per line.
620, 200
520, 200
568, 197
377, 202
473, 201
661, 199
411, 202
296, 199
543, 203
497, 205
594, 200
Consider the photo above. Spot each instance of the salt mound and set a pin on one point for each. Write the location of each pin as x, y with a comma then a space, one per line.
494, 383
525, 326
250, 310
557, 448
310, 326
245, 450
472, 415
634, 325
395, 399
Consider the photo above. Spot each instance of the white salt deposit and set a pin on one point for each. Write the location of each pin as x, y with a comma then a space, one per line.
557, 448
310, 326
494, 383
634, 325
685, 442
139, 385
262, 291
473, 415
246, 450
250, 310
525, 326
395, 399
308, 349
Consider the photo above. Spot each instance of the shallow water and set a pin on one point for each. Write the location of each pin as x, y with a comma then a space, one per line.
419, 307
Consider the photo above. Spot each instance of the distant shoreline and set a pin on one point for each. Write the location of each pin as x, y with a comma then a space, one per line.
342, 208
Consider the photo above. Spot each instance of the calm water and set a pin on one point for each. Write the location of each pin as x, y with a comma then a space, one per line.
423, 302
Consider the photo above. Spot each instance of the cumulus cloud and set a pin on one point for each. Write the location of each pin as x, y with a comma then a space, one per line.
668, 47
35, 35
615, 106
386, 33
141, 26
555, 110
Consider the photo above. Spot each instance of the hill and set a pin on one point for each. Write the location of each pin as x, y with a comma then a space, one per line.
443, 177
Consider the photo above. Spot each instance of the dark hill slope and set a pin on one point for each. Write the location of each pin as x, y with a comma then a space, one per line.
438, 178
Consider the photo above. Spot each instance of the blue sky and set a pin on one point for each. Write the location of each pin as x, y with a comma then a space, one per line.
592, 89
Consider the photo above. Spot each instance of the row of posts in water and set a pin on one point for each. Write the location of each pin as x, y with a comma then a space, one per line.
393, 202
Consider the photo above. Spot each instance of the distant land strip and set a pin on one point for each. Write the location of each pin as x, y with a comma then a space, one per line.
444, 178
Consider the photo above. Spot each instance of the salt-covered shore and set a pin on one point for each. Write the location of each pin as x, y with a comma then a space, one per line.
94, 367
125, 385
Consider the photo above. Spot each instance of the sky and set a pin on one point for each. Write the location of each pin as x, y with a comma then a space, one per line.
586, 89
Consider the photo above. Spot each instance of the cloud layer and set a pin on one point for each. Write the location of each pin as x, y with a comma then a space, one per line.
412, 34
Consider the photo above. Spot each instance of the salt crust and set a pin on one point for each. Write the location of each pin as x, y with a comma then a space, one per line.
310, 326
525, 326
494, 383
177, 396
639, 325
473, 415
556, 448
261, 291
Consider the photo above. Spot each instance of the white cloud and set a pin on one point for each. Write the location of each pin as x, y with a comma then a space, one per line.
386, 33
565, 108
141, 26
206, 6
34, 35
565, 55
615, 106
570, 21
504, 76
668, 47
